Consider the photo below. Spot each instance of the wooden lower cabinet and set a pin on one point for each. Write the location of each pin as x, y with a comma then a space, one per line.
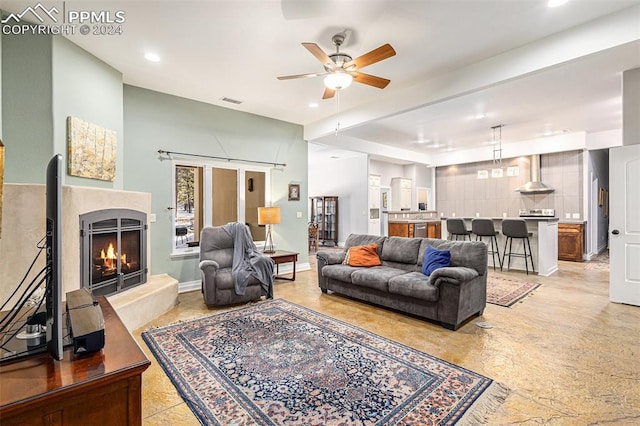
401, 230
434, 229
411, 230
570, 241
102, 388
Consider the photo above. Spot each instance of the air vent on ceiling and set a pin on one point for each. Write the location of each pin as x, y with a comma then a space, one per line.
233, 101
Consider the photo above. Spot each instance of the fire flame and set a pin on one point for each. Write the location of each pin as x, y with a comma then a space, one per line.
110, 256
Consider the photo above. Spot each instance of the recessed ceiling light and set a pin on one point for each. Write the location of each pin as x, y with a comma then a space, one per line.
556, 3
479, 115
153, 57
313, 105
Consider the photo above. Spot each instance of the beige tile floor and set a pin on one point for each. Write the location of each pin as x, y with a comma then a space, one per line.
569, 356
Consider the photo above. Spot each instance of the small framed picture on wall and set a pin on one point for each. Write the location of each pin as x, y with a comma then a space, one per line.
294, 192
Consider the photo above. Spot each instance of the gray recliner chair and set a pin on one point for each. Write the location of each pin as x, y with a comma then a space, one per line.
216, 260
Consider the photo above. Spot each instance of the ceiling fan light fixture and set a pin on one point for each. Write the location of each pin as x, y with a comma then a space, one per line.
338, 80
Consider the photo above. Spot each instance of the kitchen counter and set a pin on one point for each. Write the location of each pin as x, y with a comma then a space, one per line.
544, 242
412, 212
527, 218
413, 220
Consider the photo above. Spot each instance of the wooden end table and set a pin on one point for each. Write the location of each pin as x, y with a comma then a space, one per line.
282, 256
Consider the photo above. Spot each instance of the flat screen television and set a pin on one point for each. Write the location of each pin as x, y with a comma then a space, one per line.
21, 326
53, 292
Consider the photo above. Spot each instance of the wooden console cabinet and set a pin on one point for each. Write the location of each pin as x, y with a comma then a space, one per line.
100, 388
570, 241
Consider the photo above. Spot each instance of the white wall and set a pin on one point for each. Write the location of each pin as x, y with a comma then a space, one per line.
419, 174
387, 171
348, 179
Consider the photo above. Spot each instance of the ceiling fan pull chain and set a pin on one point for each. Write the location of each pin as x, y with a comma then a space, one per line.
337, 112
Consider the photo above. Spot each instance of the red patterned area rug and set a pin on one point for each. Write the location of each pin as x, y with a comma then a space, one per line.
506, 292
277, 363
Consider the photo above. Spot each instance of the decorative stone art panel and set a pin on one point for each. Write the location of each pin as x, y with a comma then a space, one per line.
92, 150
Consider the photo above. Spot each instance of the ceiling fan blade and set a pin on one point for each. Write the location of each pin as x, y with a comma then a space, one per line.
371, 80
376, 55
313, 74
328, 93
319, 53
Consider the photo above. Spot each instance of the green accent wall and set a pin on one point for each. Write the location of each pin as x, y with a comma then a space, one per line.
27, 122
89, 89
45, 79
154, 121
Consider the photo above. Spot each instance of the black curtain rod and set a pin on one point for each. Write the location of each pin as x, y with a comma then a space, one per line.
161, 151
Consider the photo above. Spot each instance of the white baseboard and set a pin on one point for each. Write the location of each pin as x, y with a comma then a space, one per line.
189, 286
285, 269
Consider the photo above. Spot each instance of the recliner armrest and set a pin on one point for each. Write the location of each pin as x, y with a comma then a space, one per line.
452, 274
206, 263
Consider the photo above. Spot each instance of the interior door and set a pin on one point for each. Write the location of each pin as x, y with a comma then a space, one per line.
624, 225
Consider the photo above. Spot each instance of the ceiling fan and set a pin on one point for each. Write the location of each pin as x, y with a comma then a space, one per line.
341, 69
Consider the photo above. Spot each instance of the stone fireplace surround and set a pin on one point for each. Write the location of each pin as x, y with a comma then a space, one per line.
23, 227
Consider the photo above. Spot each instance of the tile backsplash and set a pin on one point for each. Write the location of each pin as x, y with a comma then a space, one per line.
464, 191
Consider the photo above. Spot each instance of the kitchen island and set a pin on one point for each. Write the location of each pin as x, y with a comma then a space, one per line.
414, 224
544, 242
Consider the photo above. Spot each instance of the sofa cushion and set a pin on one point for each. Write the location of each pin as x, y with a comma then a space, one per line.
471, 254
415, 285
401, 249
339, 272
362, 240
377, 277
434, 259
363, 256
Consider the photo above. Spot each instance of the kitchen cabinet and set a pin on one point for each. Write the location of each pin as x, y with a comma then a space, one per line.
324, 212
415, 229
401, 194
570, 241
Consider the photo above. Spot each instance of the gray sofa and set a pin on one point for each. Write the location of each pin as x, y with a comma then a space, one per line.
449, 295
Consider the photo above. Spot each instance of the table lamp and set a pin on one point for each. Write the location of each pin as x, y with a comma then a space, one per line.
268, 216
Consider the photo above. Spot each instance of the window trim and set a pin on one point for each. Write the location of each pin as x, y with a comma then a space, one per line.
208, 166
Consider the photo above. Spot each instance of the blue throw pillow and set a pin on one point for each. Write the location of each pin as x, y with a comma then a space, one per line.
434, 259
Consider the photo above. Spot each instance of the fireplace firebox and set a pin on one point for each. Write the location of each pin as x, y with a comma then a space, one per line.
113, 250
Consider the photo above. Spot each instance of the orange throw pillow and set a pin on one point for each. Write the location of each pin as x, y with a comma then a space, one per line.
363, 256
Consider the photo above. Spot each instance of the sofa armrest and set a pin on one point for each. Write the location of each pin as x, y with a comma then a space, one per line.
206, 263
330, 257
453, 275
325, 258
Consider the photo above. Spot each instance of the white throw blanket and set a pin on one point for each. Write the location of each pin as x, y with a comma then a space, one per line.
248, 260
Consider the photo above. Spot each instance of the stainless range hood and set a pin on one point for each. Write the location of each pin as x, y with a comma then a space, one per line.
535, 186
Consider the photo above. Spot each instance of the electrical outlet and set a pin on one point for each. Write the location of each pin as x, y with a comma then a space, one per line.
567, 216
477, 214
576, 216
152, 218
453, 214
299, 215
